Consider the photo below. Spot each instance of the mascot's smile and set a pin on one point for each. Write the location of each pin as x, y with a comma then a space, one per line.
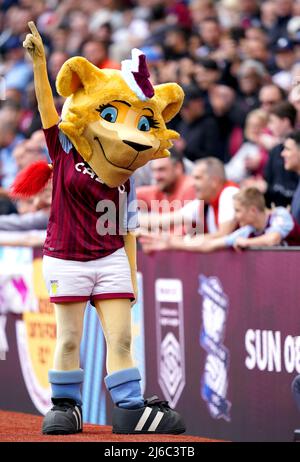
115, 165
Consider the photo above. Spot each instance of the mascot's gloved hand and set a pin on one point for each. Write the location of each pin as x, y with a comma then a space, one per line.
34, 44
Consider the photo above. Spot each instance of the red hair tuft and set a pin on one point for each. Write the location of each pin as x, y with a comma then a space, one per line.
31, 180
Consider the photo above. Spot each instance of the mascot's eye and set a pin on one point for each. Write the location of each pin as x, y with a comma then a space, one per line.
109, 114
144, 124
147, 122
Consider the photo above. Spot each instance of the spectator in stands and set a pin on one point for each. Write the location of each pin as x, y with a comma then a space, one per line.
175, 43
17, 70
268, 15
38, 138
79, 31
291, 157
27, 152
222, 101
255, 47
294, 99
270, 95
284, 11
228, 13
251, 157
129, 30
60, 37
212, 211
281, 184
202, 9
213, 188
249, 13
9, 139
257, 33
210, 33
19, 155
251, 77
30, 117
10, 113
207, 73
171, 183
144, 175
284, 59
55, 61
97, 53
6, 205
198, 128
35, 219
186, 71
17, 17
259, 227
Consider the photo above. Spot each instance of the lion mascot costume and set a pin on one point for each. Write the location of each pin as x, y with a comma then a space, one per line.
112, 123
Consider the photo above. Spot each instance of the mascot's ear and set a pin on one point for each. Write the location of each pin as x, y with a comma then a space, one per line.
78, 73
170, 96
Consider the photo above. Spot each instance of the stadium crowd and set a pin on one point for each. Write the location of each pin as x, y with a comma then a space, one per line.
238, 62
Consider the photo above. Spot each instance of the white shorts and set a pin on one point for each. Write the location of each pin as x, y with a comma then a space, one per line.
74, 281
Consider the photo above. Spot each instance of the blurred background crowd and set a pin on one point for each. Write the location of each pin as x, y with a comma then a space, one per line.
237, 60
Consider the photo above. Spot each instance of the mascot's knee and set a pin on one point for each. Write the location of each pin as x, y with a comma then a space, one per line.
69, 343
119, 343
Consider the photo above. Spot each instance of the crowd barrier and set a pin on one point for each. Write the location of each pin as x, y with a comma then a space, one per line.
216, 335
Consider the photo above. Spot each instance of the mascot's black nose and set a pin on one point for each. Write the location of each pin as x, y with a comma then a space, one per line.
137, 146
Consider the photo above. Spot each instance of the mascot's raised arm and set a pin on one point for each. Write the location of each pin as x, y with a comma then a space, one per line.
112, 123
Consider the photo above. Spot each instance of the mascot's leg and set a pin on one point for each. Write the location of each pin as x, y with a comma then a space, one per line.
123, 380
66, 378
132, 414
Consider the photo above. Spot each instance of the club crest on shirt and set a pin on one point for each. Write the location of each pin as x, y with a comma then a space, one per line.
54, 286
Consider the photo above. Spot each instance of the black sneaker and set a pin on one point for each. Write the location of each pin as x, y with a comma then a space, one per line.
64, 418
154, 417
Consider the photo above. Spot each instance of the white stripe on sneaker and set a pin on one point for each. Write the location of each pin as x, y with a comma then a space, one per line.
156, 421
75, 415
79, 417
143, 419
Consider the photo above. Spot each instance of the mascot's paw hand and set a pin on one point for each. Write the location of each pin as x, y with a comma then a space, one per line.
154, 417
33, 43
